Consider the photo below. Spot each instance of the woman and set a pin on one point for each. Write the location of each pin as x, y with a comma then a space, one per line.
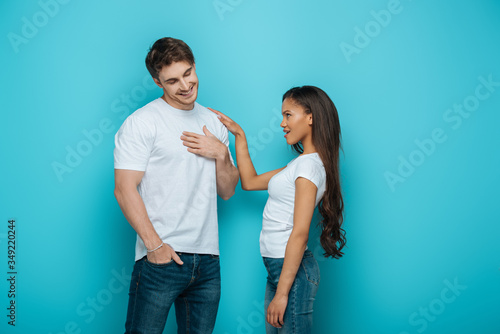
311, 126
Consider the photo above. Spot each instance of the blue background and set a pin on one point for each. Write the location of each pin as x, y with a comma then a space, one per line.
82, 66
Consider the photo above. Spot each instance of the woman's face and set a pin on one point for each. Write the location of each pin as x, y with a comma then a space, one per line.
296, 124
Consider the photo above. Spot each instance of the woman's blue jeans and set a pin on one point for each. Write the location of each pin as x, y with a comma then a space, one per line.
194, 289
298, 315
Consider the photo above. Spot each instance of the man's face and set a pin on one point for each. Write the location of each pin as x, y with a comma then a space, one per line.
180, 84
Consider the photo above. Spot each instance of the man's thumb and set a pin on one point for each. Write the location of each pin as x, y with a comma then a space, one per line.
206, 132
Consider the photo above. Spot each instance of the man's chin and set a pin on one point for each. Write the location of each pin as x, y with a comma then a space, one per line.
187, 103
191, 99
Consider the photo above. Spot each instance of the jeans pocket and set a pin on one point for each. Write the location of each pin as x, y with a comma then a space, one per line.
311, 269
159, 265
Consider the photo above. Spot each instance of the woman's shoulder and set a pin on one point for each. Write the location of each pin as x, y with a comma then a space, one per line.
311, 159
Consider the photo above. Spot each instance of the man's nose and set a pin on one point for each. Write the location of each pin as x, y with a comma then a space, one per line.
183, 84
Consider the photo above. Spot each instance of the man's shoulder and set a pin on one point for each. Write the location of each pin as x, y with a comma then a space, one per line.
146, 113
147, 110
205, 112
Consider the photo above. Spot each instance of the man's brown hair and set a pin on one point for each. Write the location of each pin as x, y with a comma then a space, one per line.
166, 51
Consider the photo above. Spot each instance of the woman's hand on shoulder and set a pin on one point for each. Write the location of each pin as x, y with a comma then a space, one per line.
231, 125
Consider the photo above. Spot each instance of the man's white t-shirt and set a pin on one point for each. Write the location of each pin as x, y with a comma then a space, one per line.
178, 188
277, 222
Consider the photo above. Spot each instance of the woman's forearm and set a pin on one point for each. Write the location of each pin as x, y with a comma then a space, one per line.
250, 180
305, 195
243, 160
293, 257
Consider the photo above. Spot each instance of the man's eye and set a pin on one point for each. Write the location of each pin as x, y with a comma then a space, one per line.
187, 74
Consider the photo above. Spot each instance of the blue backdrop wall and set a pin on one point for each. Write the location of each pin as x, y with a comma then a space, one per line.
417, 86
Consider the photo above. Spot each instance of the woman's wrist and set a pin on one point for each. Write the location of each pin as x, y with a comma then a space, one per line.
239, 133
281, 294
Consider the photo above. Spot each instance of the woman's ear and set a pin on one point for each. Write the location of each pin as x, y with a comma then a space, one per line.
310, 119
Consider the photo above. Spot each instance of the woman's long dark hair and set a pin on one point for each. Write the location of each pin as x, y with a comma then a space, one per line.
326, 138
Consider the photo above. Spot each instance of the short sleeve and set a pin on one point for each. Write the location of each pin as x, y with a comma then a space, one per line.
311, 170
224, 138
133, 144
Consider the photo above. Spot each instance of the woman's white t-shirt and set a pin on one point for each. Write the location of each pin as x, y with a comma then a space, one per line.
277, 222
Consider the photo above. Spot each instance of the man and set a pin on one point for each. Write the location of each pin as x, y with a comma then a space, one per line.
171, 161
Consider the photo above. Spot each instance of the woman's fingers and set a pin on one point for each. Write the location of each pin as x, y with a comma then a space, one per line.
216, 111
222, 116
274, 317
280, 320
231, 125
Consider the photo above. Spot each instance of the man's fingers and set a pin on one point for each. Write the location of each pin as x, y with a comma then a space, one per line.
194, 137
176, 258
206, 132
190, 139
191, 144
190, 134
194, 150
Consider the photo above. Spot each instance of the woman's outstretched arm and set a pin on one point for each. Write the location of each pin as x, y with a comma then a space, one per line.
305, 202
250, 180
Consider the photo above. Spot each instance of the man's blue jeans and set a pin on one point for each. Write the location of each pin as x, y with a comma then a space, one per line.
194, 288
298, 314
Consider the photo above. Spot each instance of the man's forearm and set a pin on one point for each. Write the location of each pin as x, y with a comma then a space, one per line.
134, 210
227, 176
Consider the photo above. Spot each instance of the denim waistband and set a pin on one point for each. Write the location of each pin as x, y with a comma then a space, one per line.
307, 254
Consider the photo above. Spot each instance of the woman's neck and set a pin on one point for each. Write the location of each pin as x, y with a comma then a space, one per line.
308, 146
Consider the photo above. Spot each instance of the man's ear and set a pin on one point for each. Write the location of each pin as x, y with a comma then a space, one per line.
194, 66
157, 82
